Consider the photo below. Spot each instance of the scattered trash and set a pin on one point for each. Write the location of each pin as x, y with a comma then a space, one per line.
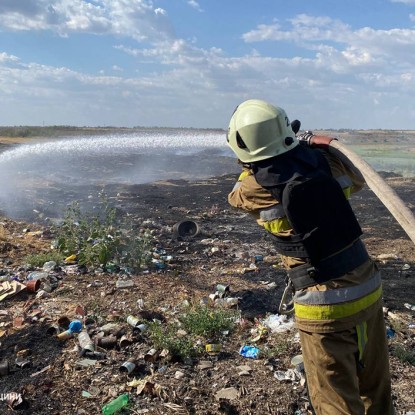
49, 266
85, 342
37, 275
222, 290
10, 289
297, 360
390, 332
133, 321
261, 333
75, 326
250, 352
115, 405
42, 294
186, 228
22, 362
107, 342
124, 284
178, 375
228, 393
86, 363
151, 355
213, 348
387, 256
409, 306
33, 285
278, 323
70, 258
65, 335
125, 341
128, 366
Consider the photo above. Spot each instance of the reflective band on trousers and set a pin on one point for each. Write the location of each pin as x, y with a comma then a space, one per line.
361, 331
340, 295
336, 311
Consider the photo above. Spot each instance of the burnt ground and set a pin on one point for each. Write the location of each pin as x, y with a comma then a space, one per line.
222, 253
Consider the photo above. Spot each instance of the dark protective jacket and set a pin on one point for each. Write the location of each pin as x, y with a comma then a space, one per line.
318, 212
335, 302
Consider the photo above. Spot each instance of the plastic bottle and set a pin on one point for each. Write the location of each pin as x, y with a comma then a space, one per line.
115, 405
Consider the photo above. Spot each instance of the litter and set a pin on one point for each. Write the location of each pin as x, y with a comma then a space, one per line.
278, 323
250, 352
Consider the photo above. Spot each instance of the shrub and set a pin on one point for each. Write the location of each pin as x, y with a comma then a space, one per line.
37, 260
164, 336
199, 323
100, 239
404, 355
207, 322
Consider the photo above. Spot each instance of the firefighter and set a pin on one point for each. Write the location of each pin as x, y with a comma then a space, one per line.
298, 192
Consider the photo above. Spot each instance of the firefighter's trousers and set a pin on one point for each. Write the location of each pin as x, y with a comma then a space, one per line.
346, 376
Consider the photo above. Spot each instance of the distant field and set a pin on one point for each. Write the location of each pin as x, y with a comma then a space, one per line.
387, 150
384, 150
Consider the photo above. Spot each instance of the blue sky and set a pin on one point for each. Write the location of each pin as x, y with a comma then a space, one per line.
188, 63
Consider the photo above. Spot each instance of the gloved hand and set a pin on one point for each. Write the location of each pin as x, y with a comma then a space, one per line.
321, 141
305, 137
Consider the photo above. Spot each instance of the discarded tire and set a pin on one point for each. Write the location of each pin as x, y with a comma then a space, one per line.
186, 228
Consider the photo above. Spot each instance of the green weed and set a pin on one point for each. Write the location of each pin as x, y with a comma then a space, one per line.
199, 323
100, 239
208, 322
37, 260
164, 336
404, 355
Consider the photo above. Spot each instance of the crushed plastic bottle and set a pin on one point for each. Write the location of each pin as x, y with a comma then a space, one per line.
115, 405
49, 266
37, 275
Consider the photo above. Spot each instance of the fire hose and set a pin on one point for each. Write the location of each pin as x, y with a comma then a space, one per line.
380, 188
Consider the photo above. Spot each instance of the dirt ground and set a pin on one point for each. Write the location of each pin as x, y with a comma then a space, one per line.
59, 381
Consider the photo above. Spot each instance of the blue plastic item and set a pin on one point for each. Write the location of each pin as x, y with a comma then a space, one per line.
251, 352
75, 326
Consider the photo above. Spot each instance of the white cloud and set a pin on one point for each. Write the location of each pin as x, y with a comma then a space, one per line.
346, 70
195, 5
131, 18
408, 2
4, 57
160, 11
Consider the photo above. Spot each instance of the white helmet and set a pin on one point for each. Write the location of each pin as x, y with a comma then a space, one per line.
258, 131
